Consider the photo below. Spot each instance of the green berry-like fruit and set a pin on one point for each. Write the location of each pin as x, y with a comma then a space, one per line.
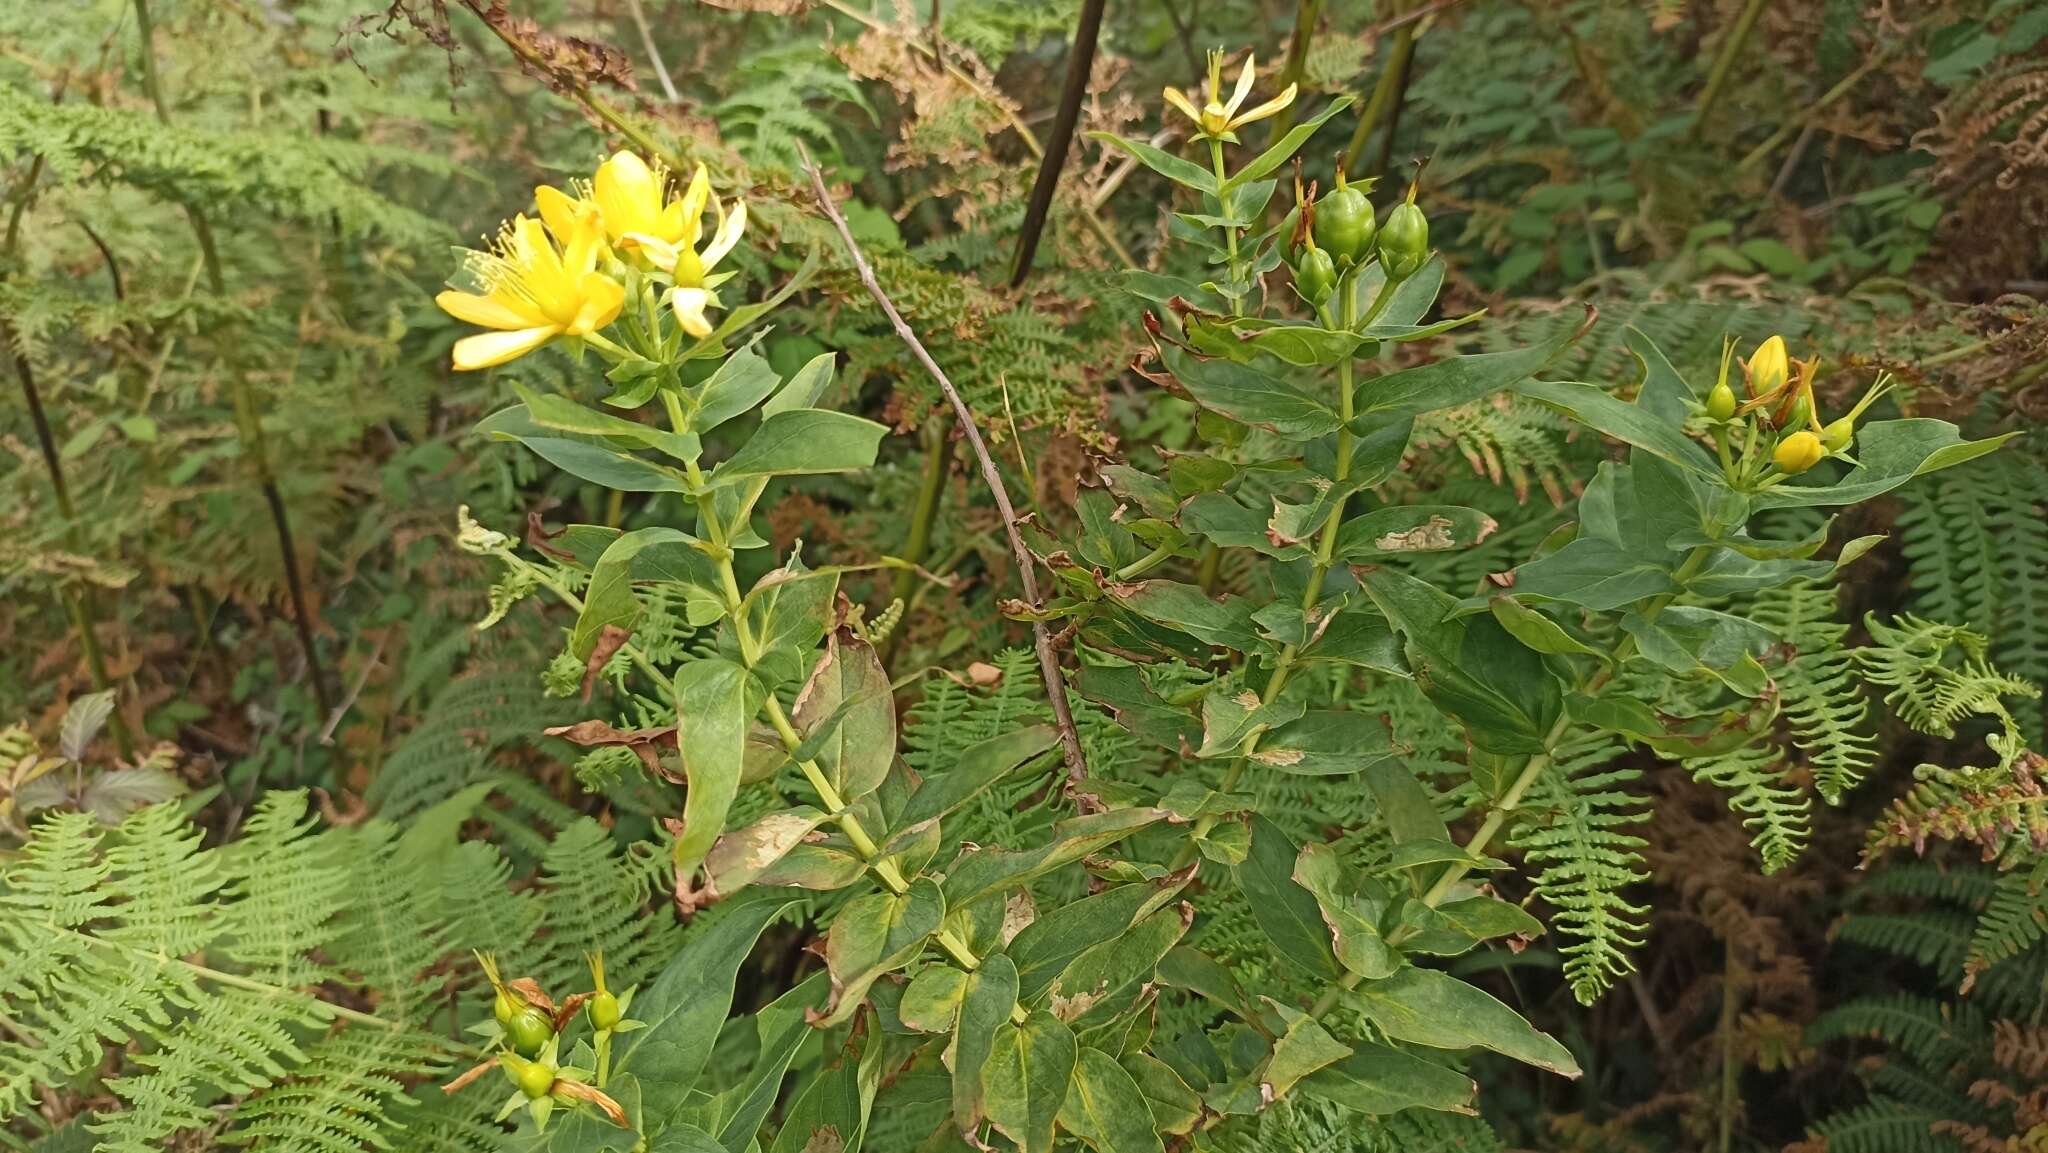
1837, 435
603, 1010
530, 1031
533, 1078
1404, 239
1344, 225
1315, 275
505, 1008
1721, 402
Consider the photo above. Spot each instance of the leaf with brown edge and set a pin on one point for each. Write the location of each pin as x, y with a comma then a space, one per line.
643, 742
610, 639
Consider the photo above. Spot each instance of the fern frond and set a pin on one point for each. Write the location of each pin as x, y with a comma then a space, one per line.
1932, 1033
2015, 918
1575, 833
1818, 690
1778, 815
1882, 1127
342, 1098
284, 887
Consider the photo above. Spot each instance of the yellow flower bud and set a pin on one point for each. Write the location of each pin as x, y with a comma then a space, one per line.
1799, 452
1769, 367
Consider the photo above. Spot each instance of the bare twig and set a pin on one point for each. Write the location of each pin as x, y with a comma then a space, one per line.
1048, 660
355, 691
668, 86
1080, 62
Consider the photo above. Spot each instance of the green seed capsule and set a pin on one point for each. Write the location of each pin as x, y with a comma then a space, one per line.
530, 1031
1837, 435
533, 1078
505, 1008
1404, 240
1721, 402
604, 1011
1315, 275
1344, 224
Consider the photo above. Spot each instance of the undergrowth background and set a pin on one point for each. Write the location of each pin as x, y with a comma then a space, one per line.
1871, 181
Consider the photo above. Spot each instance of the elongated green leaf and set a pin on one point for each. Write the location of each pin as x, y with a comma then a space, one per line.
561, 414
610, 600
986, 999
1175, 1108
981, 871
1428, 1007
979, 767
1889, 453
1352, 921
1109, 979
875, 934
742, 382
1284, 148
1182, 172
1537, 631
1451, 382
1411, 529
1225, 623
1285, 911
1595, 408
1106, 1109
689, 1000
802, 440
1404, 804
1025, 1082
738, 857
1045, 947
848, 716
1248, 395
1327, 743
805, 388
831, 1116
1470, 668
781, 1028
608, 467
712, 711
1378, 1080
1595, 573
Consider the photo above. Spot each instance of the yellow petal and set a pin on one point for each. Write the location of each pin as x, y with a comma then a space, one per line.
660, 253
1244, 88
730, 230
558, 210
1267, 109
603, 297
628, 192
490, 349
488, 311
1179, 99
694, 200
690, 304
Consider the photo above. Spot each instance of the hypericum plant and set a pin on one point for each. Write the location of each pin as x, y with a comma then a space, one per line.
1097, 1021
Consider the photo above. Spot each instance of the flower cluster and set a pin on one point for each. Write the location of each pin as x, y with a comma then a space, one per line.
565, 274
1781, 403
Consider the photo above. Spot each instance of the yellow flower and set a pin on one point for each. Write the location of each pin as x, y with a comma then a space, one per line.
633, 198
1799, 452
1217, 119
1769, 367
675, 252
535, 289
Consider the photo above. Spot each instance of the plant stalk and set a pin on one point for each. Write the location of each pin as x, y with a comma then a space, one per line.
1724, 65
1080, 63
938, 457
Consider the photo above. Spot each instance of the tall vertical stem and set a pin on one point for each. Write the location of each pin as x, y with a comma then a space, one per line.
938, 457
1724, 65
248, 415
1382, 93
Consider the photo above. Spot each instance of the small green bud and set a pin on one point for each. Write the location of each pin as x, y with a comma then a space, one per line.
1344, 224
1721, 402
604, 1011
1404, 239
1837, 435
1315, 275
530, 1031
505, 1007
532, 1077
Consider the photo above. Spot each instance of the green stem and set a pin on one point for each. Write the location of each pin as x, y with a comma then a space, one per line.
938, 456
1229, 232
1724, 64
1382, 94
1145, 564
237, 981
1305, 15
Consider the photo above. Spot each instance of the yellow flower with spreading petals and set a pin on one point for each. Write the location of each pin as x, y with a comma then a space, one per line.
536, 288
1219, 120
675, 251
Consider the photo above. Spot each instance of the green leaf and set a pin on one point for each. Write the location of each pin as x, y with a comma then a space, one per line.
875, 934
986, 1000
831, 1115
1351, 921
1595, 573
606, 467
1412, 529
1182, 172
1680, 737
847, 715
1889, 453
743, 381
1025, 1082
1470, 668
1109, 979
1428, 1007
561, 414
1327, 743
803, 389
1224, 623
1287, 913
979, 767
712, 711
1304, 1048
978, 871
1451, 382
1595, 408
1537, 631
932, 999
1378, 1080
610, 599
1174, 1107
1248, 395
1230, 718
1404, 804
1106, 1109
1244, 338
1043, 949
1284, 148
781, 1027
738, 857
1122, 690
801, 441
688, 1002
